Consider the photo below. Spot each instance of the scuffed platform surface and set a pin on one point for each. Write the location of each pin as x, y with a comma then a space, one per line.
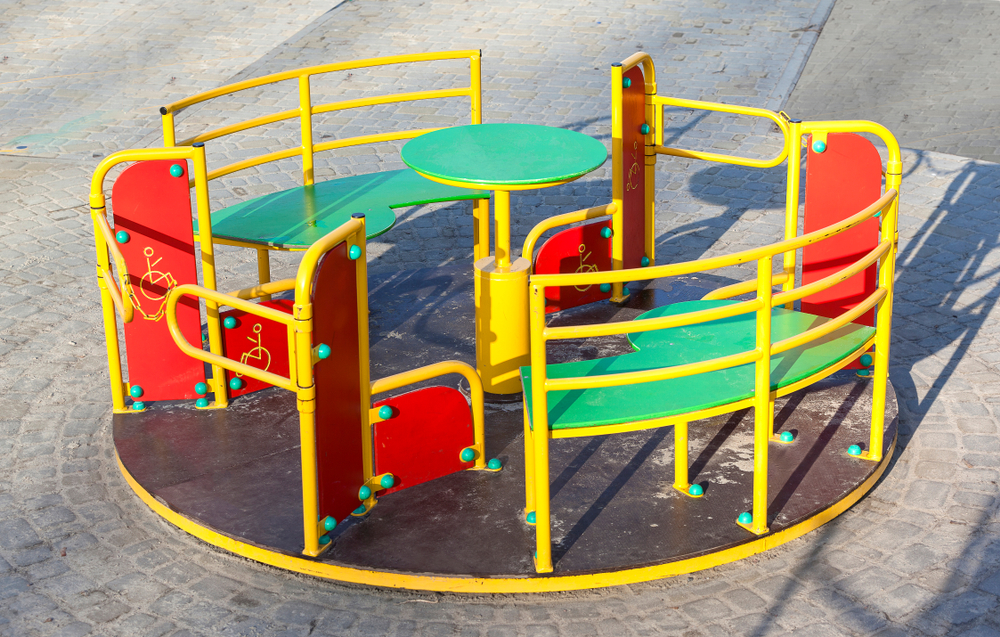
613, 504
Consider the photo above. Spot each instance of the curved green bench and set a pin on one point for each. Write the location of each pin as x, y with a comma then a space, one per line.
298, 217
581, 408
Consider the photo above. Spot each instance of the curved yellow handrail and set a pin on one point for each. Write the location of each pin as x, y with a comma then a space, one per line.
562, 220
115, 287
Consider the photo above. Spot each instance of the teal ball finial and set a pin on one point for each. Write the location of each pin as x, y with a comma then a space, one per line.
819, 146
122, 237
786, 436
530, 517
201, 402
360, 510
644, 262
627, 82
385, 412
236, 383
606, 232
354, 252
696, 490
201, 389
626, 291
135, 391
138, 405
229, 322
605, 287
854, 450
387, 481
866, 360
364, 493
745, 518
323, 351
494, 464
644, 129
468, 454
176, 171
324, 540
329, 523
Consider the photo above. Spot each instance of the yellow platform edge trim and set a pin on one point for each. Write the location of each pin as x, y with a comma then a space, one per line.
530, 583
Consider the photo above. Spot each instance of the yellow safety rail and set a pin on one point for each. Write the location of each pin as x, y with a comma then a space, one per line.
303, 356
114, 295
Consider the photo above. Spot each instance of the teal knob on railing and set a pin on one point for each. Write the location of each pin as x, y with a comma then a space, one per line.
236, 383
135, 391
229, 322
644, 129
605, 287
387, 481
606, 232
866, 360
364, 493
531, 517
745, 518
696, 490
468, 454
627, 82
354, 252
138, 405
122, 237
176, 171
854, 450
385, 412
323, 351
819, 146
324, 540
494, 464
644, 261
201, 402
201, 389
329, 523
786, 436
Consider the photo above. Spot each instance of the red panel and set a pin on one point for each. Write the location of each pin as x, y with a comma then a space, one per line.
154, 207
577, 249
582, 249
840, 182
634, 168
424, 438
257, 342
338, 384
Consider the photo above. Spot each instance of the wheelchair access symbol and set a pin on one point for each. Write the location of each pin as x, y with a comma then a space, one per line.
256, 353
148, 284
584, 266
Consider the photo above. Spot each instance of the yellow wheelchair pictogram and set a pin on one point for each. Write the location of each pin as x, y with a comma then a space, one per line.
584, 266
147, 284
258, 352
633, 170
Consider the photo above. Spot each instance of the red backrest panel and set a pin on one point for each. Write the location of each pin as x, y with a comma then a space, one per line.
339, 449
257, 342
154, 208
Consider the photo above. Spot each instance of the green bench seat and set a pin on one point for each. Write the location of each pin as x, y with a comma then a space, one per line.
676, 346
298, 217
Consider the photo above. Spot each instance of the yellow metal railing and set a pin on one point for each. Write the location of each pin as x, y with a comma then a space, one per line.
306, 109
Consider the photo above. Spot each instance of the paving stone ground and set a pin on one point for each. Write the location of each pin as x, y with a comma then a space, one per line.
80, 555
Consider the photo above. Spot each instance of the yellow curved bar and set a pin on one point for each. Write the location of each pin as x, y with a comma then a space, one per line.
737, 289
264, 289
648, 325
372, 139
650, 375
561, 220
263, 120
779, 121
122, 301
122, 156
714, 263
648, 70
254, 161
822, 330
221, 361
315, 70
394, 98
830, 280
310, 260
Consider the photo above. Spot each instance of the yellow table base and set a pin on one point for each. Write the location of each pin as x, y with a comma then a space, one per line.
501, 324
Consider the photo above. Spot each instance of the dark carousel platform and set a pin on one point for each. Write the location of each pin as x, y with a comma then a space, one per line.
232, 478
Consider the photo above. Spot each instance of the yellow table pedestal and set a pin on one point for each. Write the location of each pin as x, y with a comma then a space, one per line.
501, 324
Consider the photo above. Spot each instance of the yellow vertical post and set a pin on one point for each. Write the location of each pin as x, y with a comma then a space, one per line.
305, 115
208, 269
501, 216
364, 367
97, 207
529, 462
792, 200
681, 456
617, 185
540, 433
264, 269
481, 228
476, 87
654, 115
762, 403
168, 127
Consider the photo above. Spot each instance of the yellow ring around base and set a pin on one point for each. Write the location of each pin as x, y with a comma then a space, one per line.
526, 584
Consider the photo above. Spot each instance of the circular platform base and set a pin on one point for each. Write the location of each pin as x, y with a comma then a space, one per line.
231, 477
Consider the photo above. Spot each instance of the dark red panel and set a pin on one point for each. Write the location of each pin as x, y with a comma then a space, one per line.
154, 207
338, 384
841, 181
424, 438
577, 249
582, 249
257, 342
633, 168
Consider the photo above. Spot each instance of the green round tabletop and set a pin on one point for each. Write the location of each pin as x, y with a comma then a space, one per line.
492, 156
